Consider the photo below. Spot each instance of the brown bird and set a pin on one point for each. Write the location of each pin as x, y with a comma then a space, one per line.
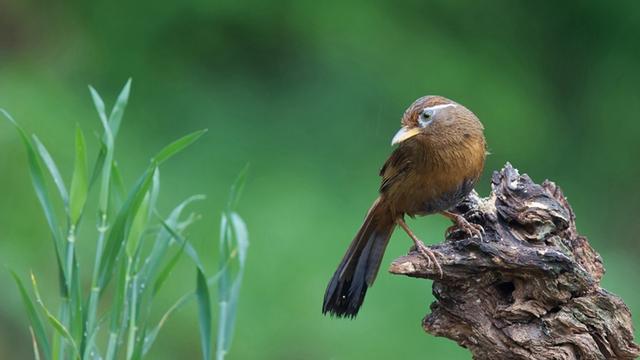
440, 156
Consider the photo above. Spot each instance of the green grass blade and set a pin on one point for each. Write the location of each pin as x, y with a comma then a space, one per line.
99, 104
139, 344
204, 314
138, 226
125, 216
163, 239
90, 346
38, 181
39, 333
151, 336
189, 249
118, 234
118, 309
79, 181
178, 145
54, 322
224, 286
242, 237
166, 270
98, 165
34, 343
117, 185
107, 163
115, 118
77, 316
236, 189
39, 185
53, 170
133, 306
154, 193
232, 228
242, 240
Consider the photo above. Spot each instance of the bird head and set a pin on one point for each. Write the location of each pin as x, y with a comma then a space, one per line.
436, 116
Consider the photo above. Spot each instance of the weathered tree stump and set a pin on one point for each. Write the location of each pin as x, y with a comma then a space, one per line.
530, 289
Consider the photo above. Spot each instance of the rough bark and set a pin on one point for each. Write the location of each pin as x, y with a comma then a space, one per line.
530, 288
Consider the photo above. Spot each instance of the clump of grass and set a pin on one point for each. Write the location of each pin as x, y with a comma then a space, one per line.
136, 274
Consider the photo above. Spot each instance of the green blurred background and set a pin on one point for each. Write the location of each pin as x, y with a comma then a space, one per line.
310, 94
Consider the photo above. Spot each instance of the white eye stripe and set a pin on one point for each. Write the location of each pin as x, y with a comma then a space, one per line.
429, 112
438, 107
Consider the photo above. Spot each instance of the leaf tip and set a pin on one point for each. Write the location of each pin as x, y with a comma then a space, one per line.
6, 114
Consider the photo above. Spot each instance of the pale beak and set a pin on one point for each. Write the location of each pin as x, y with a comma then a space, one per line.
405, 133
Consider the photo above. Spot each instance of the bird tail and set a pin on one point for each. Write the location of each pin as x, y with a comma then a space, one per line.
359, 267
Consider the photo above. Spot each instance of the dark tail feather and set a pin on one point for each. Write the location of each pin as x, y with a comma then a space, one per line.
360, 264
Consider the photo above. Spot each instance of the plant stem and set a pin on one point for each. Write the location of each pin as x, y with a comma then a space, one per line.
111, 347
132, 316
71, 240
94, 294
95, 290
221, 342
64, 308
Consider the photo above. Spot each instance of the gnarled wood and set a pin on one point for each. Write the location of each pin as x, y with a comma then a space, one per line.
530, 289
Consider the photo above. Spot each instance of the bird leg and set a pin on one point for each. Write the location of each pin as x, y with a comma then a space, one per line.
429, 255
462, 224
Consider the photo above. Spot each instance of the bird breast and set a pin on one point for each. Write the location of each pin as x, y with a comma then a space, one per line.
438, 178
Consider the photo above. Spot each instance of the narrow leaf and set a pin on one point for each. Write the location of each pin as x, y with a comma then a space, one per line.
115, 118
37, 178
37, 326
232, 227
163, 240
164, 273
204, 314
241, 236
151, 336
34, 343
114, 121
53, 321
117, 235
118, 305
106, 166
242, 241
138, 226
224, 288
76, 326
178, 145
79, 181
180, 303
53, 170
99, 104
189, 249
117, 184
236, 188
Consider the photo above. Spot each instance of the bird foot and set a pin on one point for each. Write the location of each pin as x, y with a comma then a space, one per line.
461, 224
429, 255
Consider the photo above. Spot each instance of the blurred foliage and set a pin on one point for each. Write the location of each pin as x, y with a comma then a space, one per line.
310, 94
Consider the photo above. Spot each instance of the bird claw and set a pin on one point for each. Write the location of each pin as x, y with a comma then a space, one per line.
471, 229
430, 256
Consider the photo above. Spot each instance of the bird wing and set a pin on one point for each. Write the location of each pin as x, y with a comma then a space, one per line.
396, 167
